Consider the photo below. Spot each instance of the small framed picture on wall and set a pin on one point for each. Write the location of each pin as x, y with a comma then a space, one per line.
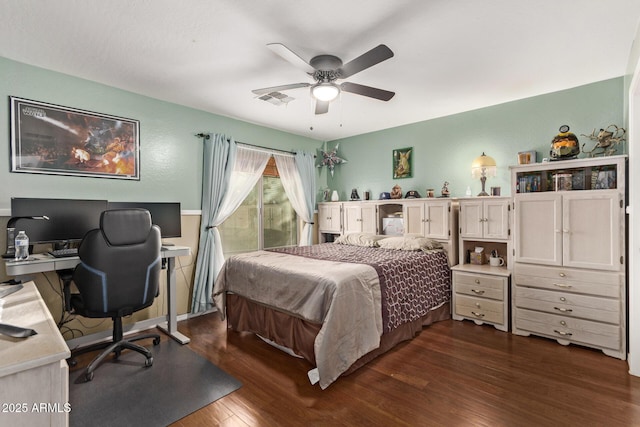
402, 163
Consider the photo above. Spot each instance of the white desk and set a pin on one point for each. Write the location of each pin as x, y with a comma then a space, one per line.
39, 263
34, 376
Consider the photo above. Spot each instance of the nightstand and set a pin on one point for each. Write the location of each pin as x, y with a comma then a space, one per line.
481, 293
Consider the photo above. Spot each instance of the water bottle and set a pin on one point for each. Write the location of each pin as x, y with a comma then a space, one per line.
22, 246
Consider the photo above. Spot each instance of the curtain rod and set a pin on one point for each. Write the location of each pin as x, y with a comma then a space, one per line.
252, 146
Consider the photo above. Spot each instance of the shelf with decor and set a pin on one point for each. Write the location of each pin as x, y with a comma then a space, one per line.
567, 175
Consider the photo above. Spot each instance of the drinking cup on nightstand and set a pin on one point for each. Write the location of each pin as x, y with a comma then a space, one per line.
496, 261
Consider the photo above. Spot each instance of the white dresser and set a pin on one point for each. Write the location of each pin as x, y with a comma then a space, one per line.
34, 376
570, 261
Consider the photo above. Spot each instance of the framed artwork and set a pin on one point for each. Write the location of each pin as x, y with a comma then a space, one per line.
402, 163
56, 140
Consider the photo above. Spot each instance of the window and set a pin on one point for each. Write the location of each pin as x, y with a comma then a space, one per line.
264, 220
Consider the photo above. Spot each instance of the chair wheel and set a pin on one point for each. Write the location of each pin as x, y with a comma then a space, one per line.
72, 362
148, 362
88, 376
117, 354
156, 341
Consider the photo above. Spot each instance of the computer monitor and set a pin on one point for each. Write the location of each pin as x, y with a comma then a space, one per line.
165, 215
69, 219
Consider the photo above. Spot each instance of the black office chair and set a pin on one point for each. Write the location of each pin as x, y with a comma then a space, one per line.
119, 274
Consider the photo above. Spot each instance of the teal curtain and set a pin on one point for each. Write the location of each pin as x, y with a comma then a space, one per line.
219, 159
305, 163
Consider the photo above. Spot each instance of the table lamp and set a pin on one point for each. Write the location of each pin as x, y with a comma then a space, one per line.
11, 233
482, 167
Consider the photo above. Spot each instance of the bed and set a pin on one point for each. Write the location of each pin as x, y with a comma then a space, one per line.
338, 305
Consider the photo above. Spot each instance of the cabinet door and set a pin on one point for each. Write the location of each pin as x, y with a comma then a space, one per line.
329, 218
352, 218
495, 224
471, 215
591, 230
369, 217
413, 214
436, 220
538, 228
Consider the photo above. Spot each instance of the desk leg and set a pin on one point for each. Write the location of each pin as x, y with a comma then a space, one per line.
171, 326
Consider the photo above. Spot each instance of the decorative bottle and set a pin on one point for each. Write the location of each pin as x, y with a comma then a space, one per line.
334, 196
22, 246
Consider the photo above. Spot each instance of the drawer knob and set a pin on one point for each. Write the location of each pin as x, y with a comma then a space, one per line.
563, 310
477, 291
564, 334
477, 281
478, 304
563, 299
563, 323
562, 275
477, 314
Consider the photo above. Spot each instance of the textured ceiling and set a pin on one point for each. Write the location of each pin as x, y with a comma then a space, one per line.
450, 55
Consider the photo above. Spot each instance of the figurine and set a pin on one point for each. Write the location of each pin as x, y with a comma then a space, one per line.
396, 192
354, 194
445, 189
607, 141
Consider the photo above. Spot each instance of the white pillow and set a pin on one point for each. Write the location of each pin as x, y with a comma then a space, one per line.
409, 243
359, 239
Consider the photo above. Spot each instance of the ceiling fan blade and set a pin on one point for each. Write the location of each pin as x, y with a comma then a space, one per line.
322, 107
279, 88
371, 92
368, 59
291, 57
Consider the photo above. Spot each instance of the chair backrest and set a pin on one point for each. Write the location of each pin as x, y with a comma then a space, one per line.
120, 264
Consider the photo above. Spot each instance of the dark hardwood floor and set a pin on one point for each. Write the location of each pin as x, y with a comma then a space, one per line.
452, 374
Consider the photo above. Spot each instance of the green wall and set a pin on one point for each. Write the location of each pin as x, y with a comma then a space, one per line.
444, 148
171, 156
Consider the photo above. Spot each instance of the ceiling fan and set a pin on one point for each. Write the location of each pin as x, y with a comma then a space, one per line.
325, 70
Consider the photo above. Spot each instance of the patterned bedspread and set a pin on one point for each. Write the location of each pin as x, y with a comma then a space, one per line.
411, 282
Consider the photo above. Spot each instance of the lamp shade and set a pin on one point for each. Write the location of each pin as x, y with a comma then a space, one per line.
483, 166
325, 91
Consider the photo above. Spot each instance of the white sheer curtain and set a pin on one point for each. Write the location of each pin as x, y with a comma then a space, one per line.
297, 175
247, 169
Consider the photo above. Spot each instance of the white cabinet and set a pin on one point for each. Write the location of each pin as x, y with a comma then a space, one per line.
481, 291
360, 218
428, 218
329, 218
572, 229
484, 218
433, 218
569, 280
33, 371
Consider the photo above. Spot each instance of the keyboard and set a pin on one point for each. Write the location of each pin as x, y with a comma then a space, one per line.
62, 253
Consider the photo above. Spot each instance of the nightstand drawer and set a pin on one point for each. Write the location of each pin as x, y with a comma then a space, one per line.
484, 310
564, 328
479, 285
564, 303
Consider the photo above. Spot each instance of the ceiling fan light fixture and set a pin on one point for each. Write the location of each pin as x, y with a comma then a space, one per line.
325, 91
